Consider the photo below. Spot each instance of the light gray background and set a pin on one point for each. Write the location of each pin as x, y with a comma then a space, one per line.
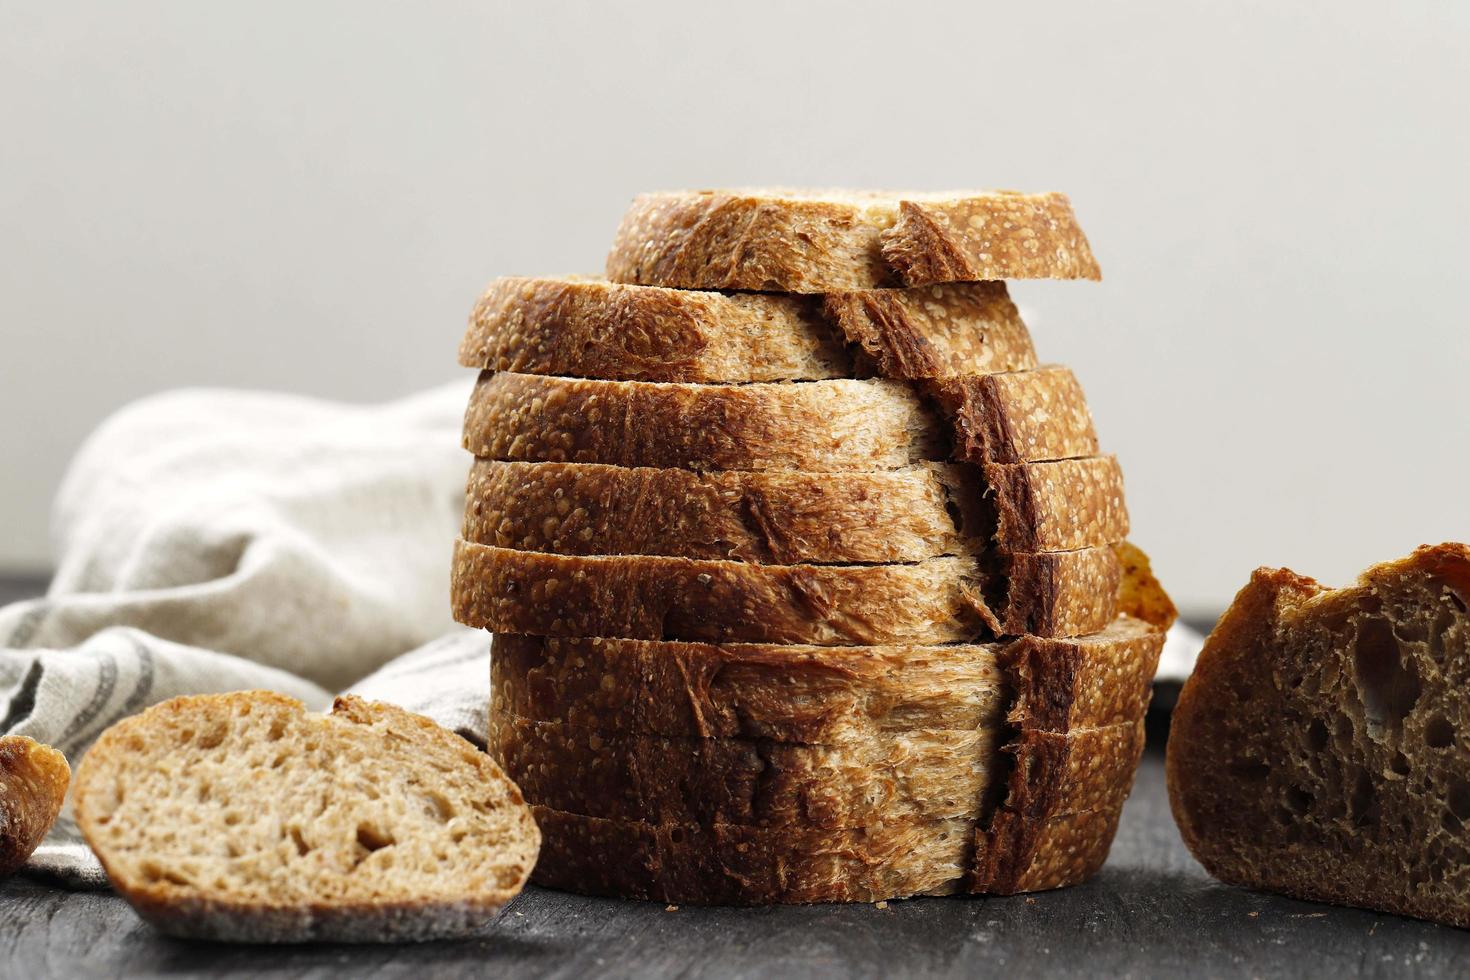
309, 196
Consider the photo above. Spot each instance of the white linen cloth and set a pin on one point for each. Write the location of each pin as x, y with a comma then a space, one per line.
219, 540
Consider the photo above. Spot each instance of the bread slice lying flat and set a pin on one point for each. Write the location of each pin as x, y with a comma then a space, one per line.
1322, 746
589, 328
788, 518
243, 817
33, 780
816, 426
941, 600
917, 775
811, 694
813, 241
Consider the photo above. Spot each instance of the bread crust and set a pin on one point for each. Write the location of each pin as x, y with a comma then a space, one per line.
1357, 693
33, 780
811, 242
207, 912
720, 864
908, 776
590, 328
1013, 418
941, 600
788, 518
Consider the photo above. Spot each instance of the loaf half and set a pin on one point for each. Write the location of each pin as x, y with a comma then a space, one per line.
789, 517
816, 426
1322, 746
33, 780
242, 817
800, 241
594, 329
941, 600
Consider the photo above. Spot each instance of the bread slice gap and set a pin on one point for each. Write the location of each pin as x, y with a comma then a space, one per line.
1322, 746
244, 817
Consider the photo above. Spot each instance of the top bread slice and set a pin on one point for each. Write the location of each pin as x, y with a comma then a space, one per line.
589, 328
33, 780
243, 817
802, 241
1321, 747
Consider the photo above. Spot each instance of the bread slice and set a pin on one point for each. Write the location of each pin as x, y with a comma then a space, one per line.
912, 776
590, 328
33, 780
787, 517
941, 600
811, 241
814, 694
817, 426
1320, 748
242, 817
722, 864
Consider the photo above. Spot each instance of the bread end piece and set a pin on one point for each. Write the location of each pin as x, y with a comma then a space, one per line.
33, 780
1320, 747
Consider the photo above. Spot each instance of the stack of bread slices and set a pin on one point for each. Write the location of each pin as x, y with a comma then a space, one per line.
807, 581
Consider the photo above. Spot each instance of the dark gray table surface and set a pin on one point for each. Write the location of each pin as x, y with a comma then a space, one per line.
1152, 911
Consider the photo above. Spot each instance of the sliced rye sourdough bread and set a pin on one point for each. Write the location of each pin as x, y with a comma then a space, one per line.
816, 426
594, 329
1053, 793
812, 694
243, 817
788, 517
1322, 746
814, 241
940, 600
33, 780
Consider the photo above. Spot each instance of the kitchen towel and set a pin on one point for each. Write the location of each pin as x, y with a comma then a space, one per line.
220, 540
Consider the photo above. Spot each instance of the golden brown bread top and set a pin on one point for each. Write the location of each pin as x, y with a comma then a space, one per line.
797, 241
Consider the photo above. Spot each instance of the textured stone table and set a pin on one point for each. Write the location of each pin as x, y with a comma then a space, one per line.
1151, 912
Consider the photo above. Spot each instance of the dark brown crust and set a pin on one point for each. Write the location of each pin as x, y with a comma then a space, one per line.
1013, 418
941, 600
816, 426
33, 780
788, 518
1270, 633
934, 331
915, 776
1094, 681
732, 865
1032, 236
803, 694
795, 242
1055, 776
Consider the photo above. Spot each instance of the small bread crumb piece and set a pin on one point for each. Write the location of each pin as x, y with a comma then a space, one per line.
671, 908
880, 905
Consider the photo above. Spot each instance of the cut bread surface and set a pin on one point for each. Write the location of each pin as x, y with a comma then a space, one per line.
817, 241
243, 817
815, 426
33, 781
788, 518
1320, 748
941, 600
595, 329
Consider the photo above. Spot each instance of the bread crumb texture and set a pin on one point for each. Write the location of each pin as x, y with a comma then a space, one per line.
244, 817
1322, 746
